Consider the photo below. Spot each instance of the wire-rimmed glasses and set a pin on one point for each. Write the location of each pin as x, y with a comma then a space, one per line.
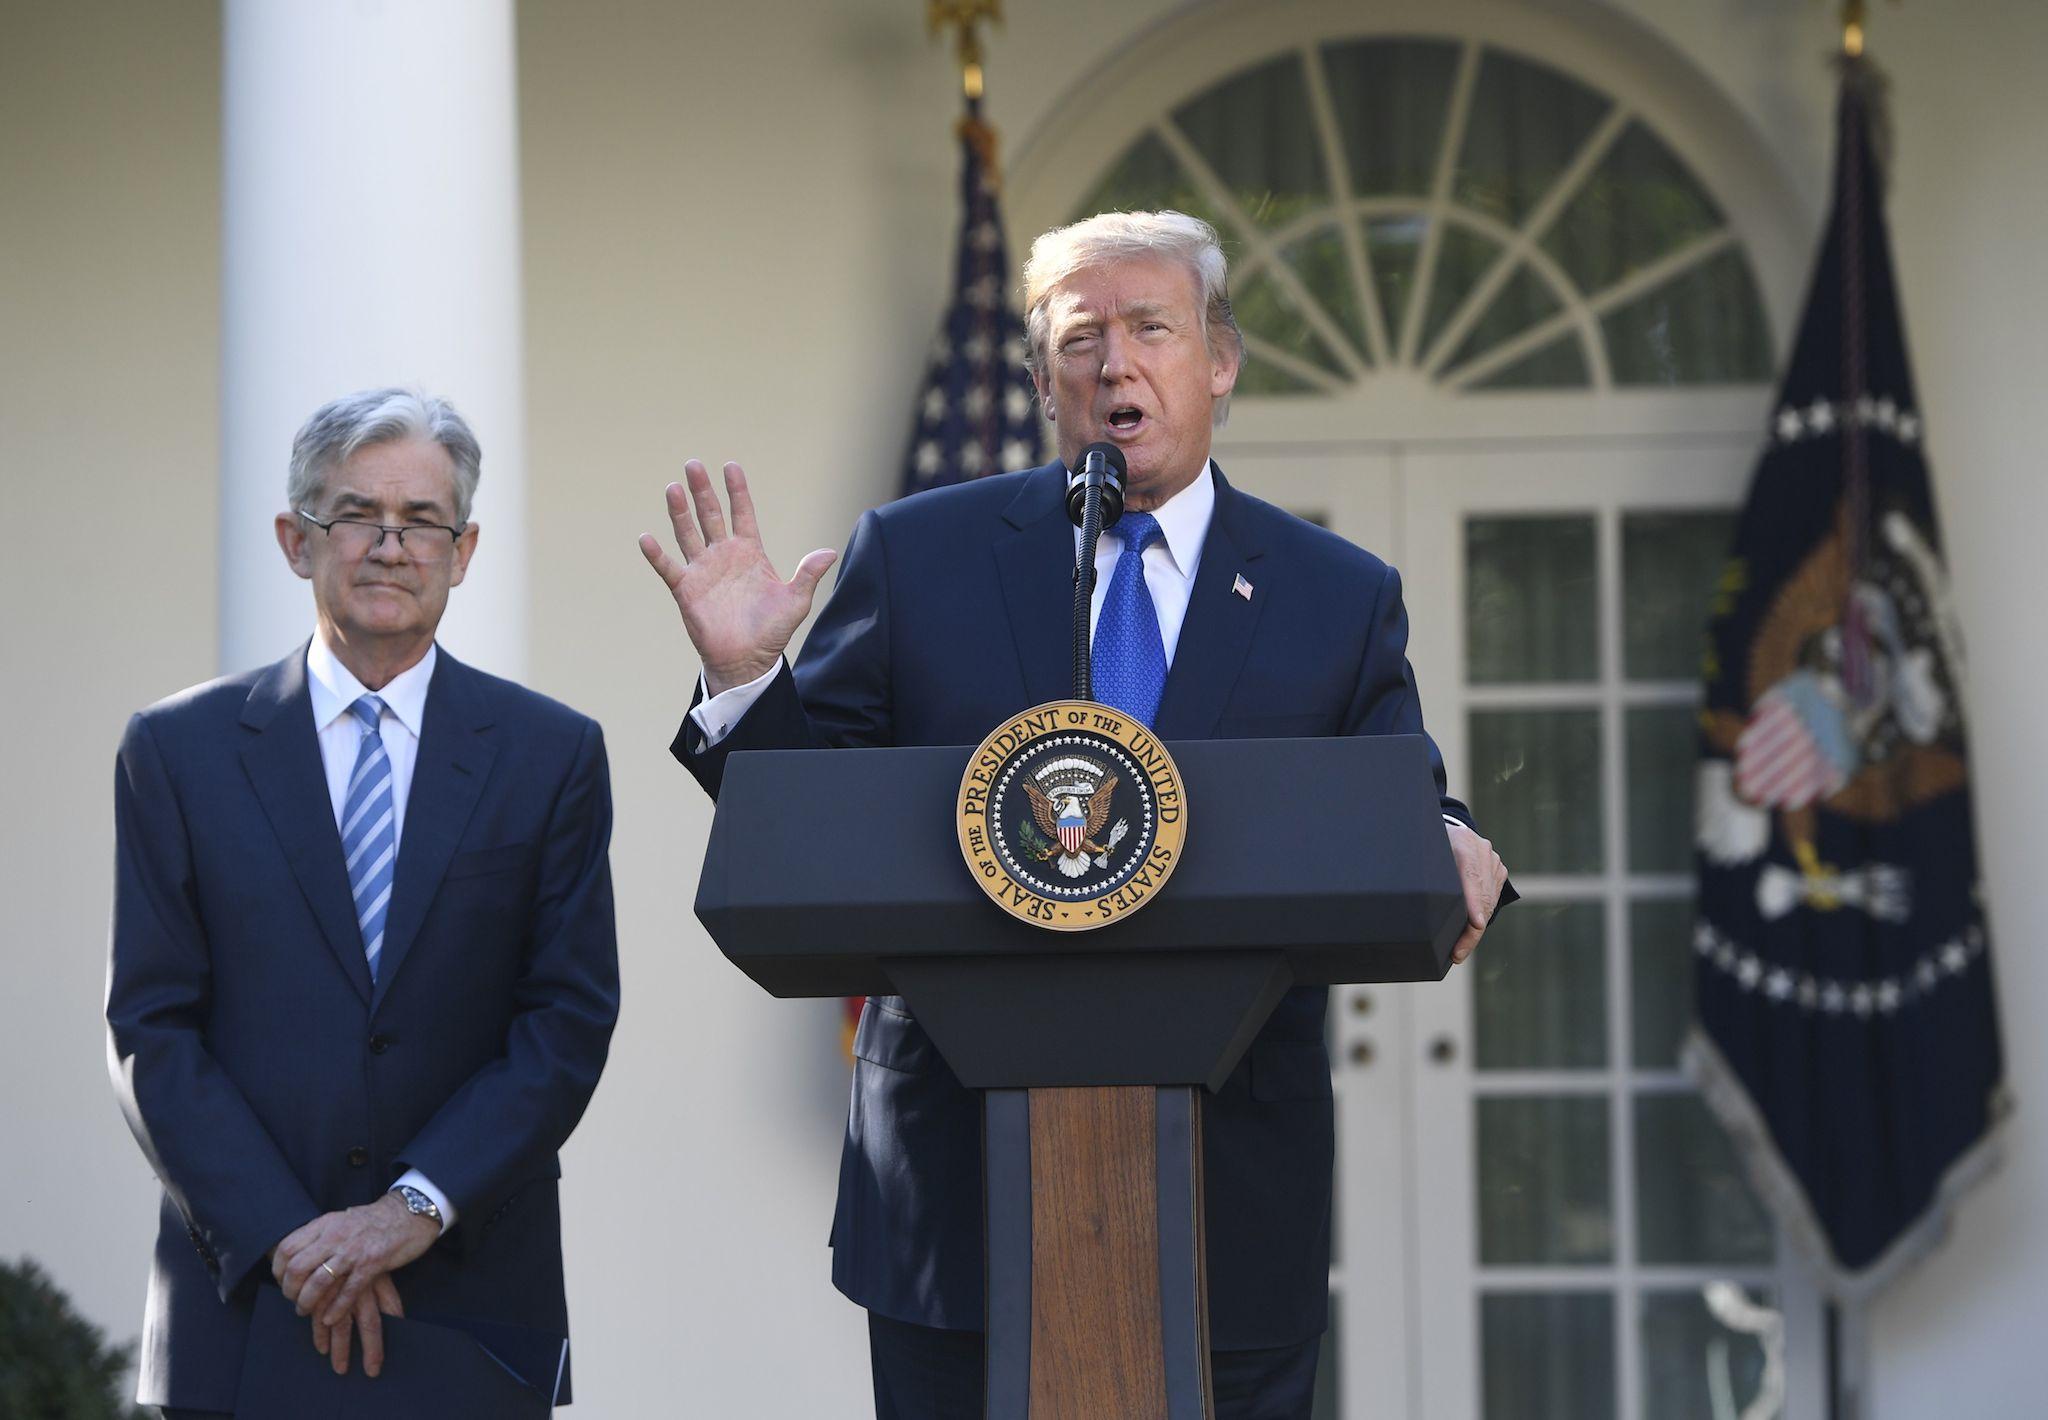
353, 537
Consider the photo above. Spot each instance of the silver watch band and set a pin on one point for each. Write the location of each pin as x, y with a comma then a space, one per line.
416, 1201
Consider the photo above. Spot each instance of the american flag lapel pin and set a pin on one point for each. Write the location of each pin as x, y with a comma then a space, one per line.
1242, 587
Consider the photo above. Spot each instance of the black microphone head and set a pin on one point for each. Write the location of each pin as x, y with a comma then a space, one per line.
1106, 459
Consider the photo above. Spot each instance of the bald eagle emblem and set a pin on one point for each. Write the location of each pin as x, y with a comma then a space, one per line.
1070, 800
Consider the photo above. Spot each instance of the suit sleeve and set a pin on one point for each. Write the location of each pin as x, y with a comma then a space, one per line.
506, 1122
838, 694
220, 1166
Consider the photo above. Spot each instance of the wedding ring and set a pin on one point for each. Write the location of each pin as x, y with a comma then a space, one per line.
324, 1267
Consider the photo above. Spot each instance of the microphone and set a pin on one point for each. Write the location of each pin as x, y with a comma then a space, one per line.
1094, 501
1102, 466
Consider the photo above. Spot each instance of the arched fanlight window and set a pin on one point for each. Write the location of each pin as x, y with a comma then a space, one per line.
1454, 211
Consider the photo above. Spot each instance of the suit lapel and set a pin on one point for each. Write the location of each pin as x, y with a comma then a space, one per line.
282, 760
447, 780
1035, 560
1218, 630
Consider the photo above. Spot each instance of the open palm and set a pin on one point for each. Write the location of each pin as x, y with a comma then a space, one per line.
738, 613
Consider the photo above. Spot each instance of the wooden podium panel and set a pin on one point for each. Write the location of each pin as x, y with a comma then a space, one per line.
1095, 1323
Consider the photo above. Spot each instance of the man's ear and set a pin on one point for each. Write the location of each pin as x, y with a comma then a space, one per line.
1225, 360
465, 548
291, 537
1042, 382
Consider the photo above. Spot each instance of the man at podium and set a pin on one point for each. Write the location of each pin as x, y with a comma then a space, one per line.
1215, 615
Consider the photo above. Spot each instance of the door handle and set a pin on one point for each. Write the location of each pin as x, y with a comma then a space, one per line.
1443, 1050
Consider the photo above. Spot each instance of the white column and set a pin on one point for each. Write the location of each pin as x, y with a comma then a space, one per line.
370, 237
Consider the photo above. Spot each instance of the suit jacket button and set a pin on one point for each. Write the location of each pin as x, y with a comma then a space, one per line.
379, 1044
359, 1157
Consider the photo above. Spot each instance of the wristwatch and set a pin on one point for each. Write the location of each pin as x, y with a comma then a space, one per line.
416, 1201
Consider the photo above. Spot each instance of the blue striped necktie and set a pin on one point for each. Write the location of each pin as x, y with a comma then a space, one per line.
1130, 655
369, 829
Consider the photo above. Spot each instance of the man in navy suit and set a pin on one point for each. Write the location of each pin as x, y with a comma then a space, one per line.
363, 972
1223, 616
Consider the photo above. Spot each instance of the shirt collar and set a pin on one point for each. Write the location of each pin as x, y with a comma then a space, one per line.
1184, 520
333, 687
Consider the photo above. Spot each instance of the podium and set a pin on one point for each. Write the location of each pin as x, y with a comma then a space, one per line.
1308, 862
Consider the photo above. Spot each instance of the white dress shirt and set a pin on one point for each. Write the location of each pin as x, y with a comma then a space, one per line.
332, 687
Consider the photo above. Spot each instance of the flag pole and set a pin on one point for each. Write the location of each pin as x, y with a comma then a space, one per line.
1844, 1403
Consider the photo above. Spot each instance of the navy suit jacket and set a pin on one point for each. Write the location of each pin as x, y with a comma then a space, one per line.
265, 1076
952, 612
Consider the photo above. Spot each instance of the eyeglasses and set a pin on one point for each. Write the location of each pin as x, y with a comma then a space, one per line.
422, 542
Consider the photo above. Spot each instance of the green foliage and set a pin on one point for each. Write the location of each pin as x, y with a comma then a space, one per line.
54, 1364
1035, 844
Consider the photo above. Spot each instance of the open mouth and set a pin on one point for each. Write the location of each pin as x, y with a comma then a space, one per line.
1125, 418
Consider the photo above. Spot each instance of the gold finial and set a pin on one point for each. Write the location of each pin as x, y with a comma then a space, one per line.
1852, 28
963, 16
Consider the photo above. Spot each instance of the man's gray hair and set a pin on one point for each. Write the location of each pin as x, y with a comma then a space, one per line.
340, 427
1122, 236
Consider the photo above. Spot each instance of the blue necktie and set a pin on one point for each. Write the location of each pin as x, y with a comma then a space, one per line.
369, 829
1129, 655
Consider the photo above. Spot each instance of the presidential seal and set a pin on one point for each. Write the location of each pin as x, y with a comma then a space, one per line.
1071, 815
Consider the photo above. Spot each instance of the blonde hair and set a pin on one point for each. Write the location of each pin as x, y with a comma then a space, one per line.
1122, 236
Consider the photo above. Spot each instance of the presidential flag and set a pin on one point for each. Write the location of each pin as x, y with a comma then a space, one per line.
1847, 1033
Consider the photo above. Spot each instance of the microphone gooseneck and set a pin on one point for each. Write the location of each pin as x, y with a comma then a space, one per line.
1095, 500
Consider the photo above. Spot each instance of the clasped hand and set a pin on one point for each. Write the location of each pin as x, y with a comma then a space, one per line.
337, 1270
739, 614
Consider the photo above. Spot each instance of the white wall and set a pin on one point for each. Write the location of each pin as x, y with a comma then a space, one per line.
109, 343
738, 225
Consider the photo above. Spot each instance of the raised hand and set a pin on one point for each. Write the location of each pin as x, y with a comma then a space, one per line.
739, 614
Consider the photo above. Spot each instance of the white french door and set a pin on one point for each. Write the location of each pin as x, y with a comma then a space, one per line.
1536, 1219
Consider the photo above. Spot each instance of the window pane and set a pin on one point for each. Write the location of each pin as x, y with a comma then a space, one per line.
1544, 1190
1531, 600
1548, 1355
1669, 565
1522, 302
1639, 204
1663, 753
1392, 100
1325, 271
1462, 257
1660, 972
1693, 1206
1527, 124
1263, 377
1539, 1001
1691, 1352
1704, 327
1147, 179
1536, 786
1255, 131
1394, 245
1560, 365
1265, 310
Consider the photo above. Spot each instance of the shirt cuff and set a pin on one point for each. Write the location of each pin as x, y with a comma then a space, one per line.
1455, 822
413, 1178
715, 715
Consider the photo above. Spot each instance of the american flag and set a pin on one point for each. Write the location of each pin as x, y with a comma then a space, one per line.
976, 411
